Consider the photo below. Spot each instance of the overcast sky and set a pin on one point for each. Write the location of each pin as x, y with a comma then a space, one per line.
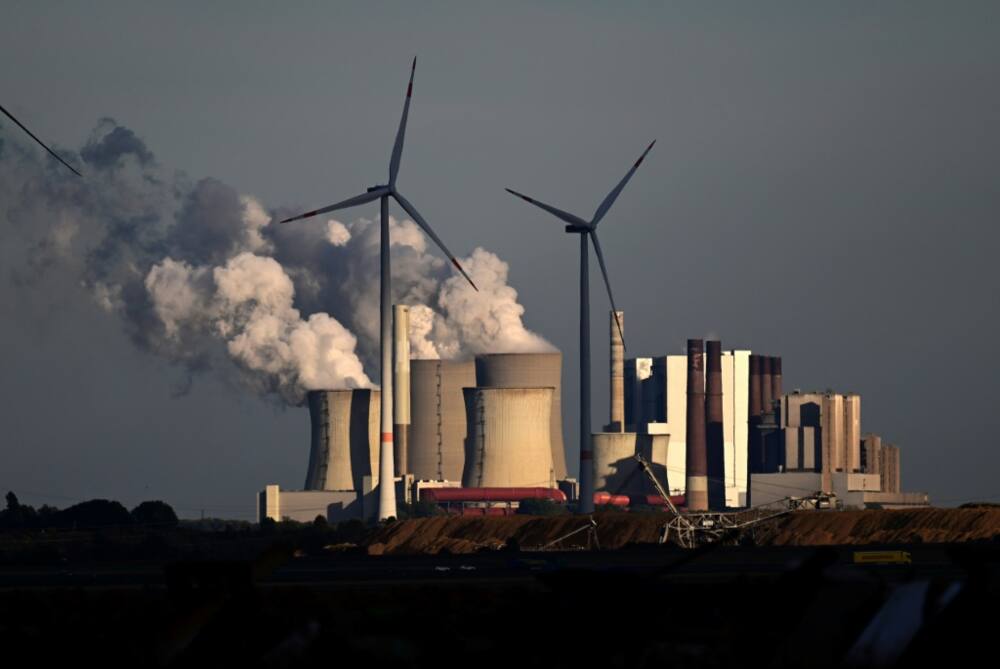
824, 187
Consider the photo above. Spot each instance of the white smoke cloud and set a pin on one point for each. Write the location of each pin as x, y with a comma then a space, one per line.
202, 276
488, 321
337, 233
421, 324
247, 303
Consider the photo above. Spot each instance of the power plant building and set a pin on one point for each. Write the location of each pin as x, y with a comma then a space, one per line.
656, 401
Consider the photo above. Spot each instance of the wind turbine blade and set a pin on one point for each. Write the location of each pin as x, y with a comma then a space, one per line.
558, 213
415, 215
613, 195
349, 202
40, 142
607, 282
397, 148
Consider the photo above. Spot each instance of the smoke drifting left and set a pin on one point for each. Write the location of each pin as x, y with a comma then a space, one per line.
202, 276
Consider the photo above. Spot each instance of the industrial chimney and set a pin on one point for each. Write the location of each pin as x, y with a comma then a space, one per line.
617, 423
697, 467
776, 387
401, 387
713, 425
765, 384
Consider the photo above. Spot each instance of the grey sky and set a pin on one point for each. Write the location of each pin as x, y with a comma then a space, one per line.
824, 187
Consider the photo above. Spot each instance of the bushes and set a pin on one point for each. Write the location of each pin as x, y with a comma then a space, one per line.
155, 513
540, 507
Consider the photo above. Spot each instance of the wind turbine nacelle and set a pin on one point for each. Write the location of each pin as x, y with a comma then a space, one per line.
576, 229
371, 188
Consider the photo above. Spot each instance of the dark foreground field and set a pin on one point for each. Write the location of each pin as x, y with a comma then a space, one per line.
733, 606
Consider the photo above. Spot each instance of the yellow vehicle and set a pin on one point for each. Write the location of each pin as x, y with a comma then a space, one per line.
882, 557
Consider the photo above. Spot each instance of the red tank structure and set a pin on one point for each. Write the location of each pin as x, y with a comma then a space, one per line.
607, 499
656, 500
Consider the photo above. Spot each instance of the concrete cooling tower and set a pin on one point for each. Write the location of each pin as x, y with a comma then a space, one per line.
509, 439
437, 418
616, 470
529, 370
345, 438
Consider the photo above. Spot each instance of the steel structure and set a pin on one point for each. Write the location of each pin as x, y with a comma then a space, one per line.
382, 193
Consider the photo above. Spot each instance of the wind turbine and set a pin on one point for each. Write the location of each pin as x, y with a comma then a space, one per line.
40, 142
386, 482
588, 229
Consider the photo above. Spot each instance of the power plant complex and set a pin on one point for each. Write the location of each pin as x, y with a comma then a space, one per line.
479, 436
709, 430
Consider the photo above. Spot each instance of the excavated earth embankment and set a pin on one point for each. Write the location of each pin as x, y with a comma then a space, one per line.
615, 530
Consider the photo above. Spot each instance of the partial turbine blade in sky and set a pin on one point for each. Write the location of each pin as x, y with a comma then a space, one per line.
613, 195
558, 213
40, 142
397, 148
607, 282
349, 202
415, 215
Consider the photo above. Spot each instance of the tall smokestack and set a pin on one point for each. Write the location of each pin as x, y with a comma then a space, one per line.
713, 425
765, 384
401, 387
755, 404
617, 423
776, 389
697, 465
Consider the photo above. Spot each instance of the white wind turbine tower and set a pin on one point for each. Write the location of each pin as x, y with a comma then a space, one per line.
386, 476
588, 229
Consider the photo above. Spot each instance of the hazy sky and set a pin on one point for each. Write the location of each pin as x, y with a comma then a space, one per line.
824, 187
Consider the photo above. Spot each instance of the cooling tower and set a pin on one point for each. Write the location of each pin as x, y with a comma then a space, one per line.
401, 387
437, 414
529, 370
696, 490
509, 435
714, 434
345, 438
616, 470
617, 420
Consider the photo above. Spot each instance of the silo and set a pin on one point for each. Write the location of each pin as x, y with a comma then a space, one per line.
437, 414
345, 438
617, 421
509, 435
696, 490
529, 370
714, 436
401, 387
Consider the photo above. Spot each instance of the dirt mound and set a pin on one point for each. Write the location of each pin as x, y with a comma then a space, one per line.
614, 530
811, 528
468, 535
